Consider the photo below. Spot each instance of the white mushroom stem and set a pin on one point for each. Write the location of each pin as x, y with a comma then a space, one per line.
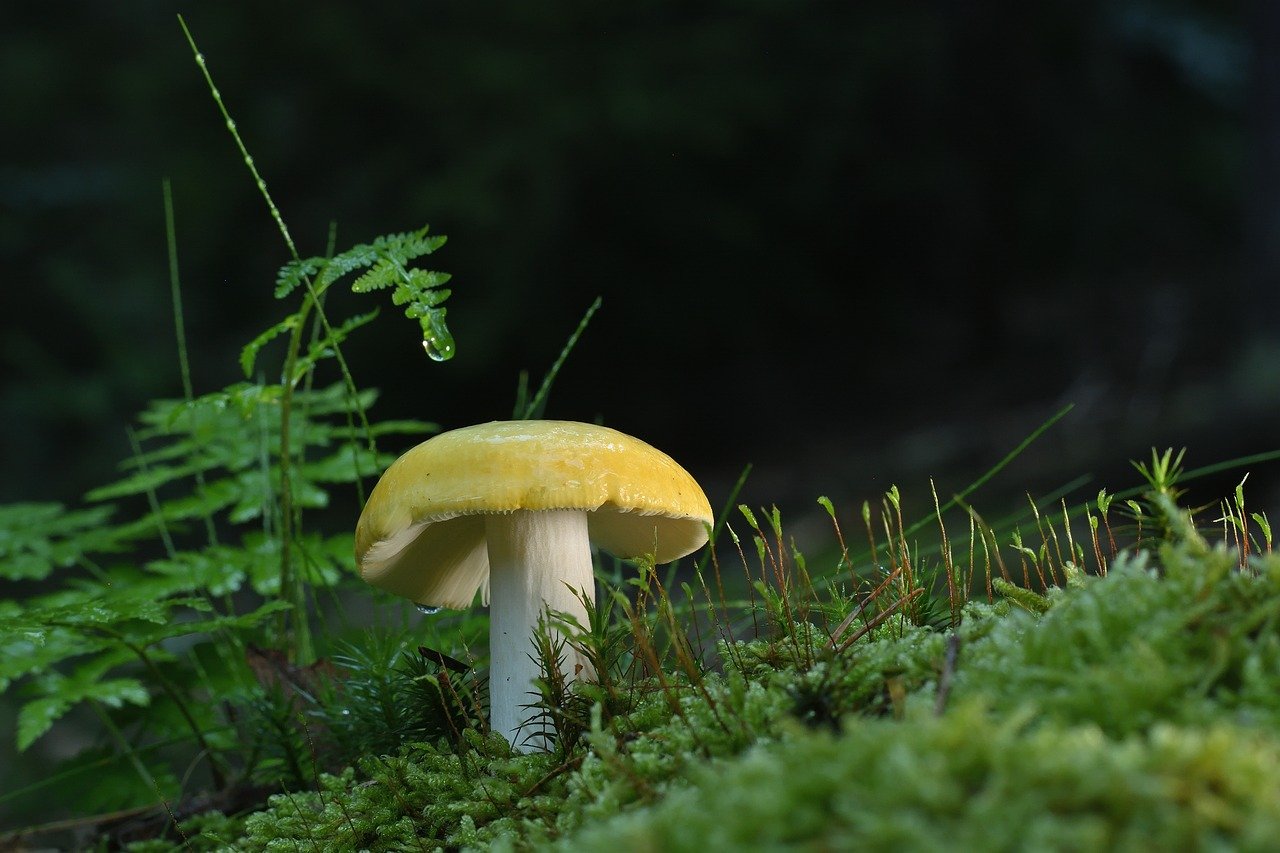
537, 560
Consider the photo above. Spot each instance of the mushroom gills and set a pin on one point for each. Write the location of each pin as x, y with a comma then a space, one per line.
436, 563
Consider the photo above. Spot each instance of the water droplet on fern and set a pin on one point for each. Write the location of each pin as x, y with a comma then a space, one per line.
437, 340
438, 350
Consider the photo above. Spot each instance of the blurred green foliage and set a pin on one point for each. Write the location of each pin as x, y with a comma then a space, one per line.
772, 198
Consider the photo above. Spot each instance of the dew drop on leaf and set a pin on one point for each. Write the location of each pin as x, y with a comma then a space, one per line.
437, 340
438, 349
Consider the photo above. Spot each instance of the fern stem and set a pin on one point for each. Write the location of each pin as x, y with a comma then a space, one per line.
290, 587
216, 770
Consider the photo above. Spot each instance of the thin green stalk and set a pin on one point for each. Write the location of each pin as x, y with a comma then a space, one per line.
215, 766
141, 768
244, 152
153, 501
290, 587
997, 468
536, 405
179, 327
97, 765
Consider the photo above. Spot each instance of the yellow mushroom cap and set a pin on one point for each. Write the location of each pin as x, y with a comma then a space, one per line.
422, 532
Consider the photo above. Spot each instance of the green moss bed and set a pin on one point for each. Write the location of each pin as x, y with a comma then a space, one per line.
1139, 710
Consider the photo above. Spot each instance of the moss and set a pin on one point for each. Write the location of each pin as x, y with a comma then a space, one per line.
1191, 641
971, 780
1140, 710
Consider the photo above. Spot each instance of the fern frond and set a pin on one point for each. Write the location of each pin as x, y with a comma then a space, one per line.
249, 355
292, 274
244, 398
420, 291
347, 464
30, 648
390, 248
386, 263
36, 538
38, 716
404, 426
141, 482
326, 346
153, 634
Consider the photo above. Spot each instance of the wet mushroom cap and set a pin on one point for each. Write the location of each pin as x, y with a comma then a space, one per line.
422, 532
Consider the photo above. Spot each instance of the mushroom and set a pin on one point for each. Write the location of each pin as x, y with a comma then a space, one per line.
512, 508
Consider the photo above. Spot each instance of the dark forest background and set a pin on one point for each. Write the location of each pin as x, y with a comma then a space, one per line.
851, 243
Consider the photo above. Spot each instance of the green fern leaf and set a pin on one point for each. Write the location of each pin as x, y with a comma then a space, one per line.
420, 290
60, 692
36, 538
323, 561
292, 274
346, 465
390, 249
207, 500
218, 569
141, 483
389, 427
384, 274
333, 400
38, 716
355, 258
32, 651
150, 635
326, 346
82, 609
419, 286
249, 355
242, 398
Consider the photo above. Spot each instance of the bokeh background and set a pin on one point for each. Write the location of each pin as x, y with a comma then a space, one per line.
850, 244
